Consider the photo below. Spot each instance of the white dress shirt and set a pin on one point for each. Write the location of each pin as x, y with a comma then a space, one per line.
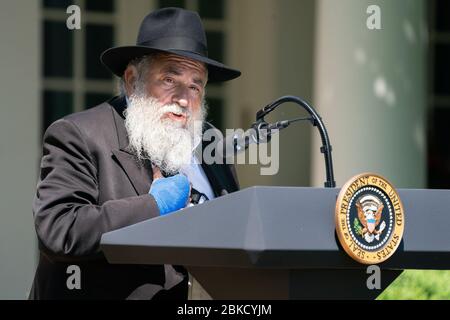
194, 172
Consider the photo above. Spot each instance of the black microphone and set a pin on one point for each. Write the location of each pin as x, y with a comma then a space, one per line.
238, 141
265, 111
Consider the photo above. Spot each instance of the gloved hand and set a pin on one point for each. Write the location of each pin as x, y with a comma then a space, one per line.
171, 194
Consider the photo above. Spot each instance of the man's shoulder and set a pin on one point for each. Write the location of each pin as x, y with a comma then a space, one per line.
94, 124
94, 116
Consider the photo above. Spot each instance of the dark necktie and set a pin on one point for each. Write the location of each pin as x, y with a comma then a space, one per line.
198, 197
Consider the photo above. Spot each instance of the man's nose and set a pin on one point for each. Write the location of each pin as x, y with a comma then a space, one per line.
181, 98
182, 102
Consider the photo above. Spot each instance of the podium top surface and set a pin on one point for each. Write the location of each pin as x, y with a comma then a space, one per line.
278, 227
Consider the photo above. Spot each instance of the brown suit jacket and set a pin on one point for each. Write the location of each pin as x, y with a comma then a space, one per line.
90, 184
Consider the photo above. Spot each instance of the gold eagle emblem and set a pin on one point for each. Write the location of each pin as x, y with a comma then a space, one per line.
370, 209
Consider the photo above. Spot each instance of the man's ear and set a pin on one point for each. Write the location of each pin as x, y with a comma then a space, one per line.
129, 77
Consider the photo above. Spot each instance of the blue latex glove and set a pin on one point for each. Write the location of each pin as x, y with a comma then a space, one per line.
171, 194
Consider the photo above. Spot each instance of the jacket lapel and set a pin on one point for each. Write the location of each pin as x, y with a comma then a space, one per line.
220, 178
219, 175
140, 175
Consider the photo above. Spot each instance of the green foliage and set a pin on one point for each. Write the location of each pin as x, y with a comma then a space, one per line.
357, 226
419, 285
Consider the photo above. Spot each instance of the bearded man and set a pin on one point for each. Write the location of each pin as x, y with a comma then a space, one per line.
127, 160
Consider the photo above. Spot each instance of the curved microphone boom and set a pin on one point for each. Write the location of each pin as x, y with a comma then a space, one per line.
261, 132
316, 121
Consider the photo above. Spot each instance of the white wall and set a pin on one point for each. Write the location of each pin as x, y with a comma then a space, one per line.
19, 143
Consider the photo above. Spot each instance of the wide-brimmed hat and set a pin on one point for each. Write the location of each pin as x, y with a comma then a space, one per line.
171, 30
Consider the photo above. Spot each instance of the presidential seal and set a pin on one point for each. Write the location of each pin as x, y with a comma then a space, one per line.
369, 218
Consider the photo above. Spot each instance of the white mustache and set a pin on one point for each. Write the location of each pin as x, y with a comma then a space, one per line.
176, 109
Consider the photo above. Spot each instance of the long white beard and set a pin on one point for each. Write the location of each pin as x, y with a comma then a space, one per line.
165, 142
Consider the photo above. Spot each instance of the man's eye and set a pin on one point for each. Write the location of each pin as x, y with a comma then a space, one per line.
168, 80
195, 89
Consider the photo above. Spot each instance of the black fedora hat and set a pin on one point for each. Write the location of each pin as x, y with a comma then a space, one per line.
171, 30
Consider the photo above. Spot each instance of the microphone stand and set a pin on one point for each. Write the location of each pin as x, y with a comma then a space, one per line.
316, 121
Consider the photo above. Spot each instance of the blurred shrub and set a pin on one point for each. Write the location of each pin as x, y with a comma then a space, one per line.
419, 285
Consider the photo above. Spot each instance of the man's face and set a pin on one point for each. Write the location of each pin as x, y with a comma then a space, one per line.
166, 110
177, 80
